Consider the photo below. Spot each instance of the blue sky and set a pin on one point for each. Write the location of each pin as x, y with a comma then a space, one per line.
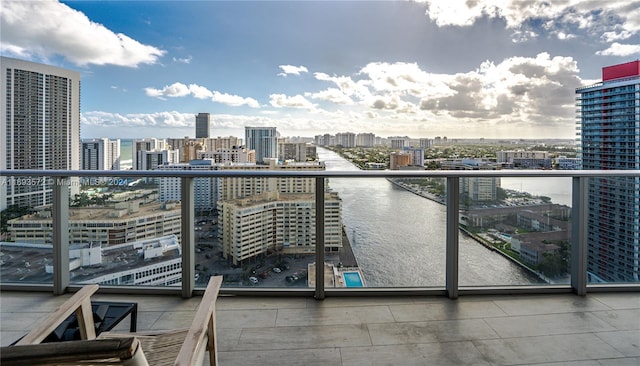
483, 68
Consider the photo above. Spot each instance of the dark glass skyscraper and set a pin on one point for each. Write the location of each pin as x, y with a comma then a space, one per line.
203, 124
609, 123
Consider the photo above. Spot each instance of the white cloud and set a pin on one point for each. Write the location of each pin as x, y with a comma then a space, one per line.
347, 86
533, 95
160, 119
45, 28
176, 90
617, 49
288, 69
183, 60
517, 96
616, 35
561, 16
172, 91
234, 100
333, 95
297, 101
200, 92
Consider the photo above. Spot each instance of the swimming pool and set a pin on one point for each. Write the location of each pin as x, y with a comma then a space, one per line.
352, 279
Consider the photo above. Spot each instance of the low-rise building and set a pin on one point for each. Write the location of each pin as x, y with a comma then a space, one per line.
119, 223
151, 262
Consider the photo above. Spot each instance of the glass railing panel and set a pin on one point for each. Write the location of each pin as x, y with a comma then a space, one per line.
396, 230
260, 233
613, 220
516, 231
26, 251
122, 234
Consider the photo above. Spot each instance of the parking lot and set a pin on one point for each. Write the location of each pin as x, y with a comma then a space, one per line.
209, 262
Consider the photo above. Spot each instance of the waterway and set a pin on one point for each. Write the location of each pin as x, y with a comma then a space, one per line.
399, 238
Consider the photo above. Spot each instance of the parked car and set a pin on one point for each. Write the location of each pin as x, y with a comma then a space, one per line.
253, 280
276, 270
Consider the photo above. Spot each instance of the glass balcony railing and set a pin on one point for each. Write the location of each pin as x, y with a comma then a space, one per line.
444, 232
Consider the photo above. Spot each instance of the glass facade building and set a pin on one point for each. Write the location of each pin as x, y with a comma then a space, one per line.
609, 134
203, 125
264, 140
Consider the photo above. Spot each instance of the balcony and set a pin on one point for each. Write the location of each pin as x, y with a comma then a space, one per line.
598, 329
451, 322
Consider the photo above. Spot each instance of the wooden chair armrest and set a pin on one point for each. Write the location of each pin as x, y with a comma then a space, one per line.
72, 351
80, 303
203, 325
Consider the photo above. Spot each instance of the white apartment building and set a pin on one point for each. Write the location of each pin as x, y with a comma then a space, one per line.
511, 155
475, 188
208, 191
424, 143
366, 139
274, 222
39, 128
147, 144
190, 148
346, 139
240, 187
150, 160
235, 154
296, 151
100, 154
398, 142
204, 189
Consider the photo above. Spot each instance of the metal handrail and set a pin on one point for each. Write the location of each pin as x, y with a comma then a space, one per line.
322, 174
452, 289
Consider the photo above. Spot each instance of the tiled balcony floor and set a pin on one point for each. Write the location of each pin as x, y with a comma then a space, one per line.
558, 329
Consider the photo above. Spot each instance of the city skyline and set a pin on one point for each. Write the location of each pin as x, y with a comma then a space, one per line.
392, 68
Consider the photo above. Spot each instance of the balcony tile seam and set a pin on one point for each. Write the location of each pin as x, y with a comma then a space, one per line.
616, 345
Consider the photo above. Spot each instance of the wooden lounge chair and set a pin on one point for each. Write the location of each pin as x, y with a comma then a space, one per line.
172, 347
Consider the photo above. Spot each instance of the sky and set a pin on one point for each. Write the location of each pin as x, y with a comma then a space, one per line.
455, 68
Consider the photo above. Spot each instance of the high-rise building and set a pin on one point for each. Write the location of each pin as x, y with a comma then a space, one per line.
398, 142
277, 222
150, 153
237, 154
346, 139
264, 140
203, 125
417, 155
151, 160
365, 139
399, 159
39, 128
425, 143
100, 154
609, 128
296, 151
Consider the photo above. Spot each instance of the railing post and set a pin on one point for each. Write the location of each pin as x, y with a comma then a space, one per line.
579, 233
319, 295
60, 223
453, 209
187, 237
